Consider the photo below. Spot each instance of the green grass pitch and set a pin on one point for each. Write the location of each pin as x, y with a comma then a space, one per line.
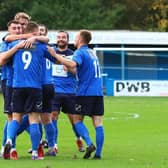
136, 136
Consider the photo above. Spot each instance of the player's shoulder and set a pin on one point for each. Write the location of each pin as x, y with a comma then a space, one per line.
4, 37
79, 50
13, 43
3, 46
70, 51
66, 52
40, 45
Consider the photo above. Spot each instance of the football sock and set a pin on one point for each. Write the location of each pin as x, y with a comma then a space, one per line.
99, 140
41, 130
76, 133
56, 130
35, 135
12, 129
83, 132
24, 124
5, 133
50, 131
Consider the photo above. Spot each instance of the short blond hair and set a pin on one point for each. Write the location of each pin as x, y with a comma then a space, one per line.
86, 35
22, 15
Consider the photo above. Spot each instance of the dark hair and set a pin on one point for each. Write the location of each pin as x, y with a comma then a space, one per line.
62, 31
31, 26
86, 36
46, 30
12, 21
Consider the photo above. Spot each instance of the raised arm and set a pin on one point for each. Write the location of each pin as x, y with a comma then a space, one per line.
31, 40
10, 38
70, 64
72, 70
43, 39
4, 56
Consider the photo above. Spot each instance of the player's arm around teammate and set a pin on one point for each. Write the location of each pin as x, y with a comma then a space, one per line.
89, 94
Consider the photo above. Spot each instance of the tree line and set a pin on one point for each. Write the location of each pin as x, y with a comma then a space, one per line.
143, 15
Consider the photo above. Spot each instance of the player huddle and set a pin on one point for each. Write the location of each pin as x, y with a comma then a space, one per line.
39, 81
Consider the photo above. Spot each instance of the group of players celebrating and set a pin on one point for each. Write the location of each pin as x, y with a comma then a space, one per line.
39, 81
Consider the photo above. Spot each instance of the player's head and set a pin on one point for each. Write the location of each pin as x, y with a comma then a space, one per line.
62, 39
43, 30
14, 27
20, 28
23, 19
32, 27
83, 37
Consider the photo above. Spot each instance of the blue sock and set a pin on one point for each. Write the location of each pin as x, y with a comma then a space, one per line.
41, 130
83, 132
50, 131
12, 129
28, 129
14, 142
99, 140
24, 124
5, 133
76, 133
35, 135
56, 130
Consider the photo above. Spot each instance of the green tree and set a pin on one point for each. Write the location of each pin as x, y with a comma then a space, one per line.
134, 17
148, 15
158, 16
9, 8
75, 14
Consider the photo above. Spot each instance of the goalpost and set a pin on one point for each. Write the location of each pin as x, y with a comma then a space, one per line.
133, 63
127, 59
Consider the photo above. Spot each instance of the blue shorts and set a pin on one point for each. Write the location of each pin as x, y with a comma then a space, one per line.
48, 94
8, 100
89, 105
27, 100
64, 102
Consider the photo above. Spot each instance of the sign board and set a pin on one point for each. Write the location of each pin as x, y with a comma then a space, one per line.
140, 88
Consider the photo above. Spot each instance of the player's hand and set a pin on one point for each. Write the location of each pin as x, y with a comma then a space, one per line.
65, 68
29, 42
51, 51
21, 44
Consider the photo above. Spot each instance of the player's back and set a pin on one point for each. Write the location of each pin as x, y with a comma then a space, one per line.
90, 82
47, 72
27, 64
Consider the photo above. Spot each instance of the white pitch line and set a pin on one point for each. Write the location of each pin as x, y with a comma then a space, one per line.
121, 115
